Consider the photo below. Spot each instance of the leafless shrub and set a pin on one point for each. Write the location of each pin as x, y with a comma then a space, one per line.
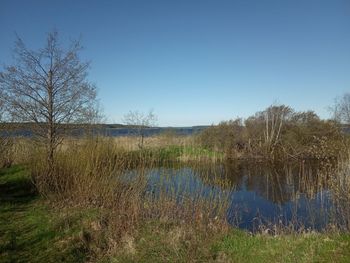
277, 133
341, 109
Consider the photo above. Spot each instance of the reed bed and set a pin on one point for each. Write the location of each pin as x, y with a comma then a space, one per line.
97, 173
340, 185
113, 176
131, 143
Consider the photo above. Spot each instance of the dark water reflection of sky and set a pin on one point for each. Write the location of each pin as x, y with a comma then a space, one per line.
257, 194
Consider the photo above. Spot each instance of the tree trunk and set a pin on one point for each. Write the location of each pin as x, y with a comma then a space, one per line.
50, 123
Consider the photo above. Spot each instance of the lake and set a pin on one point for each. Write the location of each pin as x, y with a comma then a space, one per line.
117, 132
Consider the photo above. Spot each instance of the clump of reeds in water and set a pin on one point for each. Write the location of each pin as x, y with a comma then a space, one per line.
298, 191
322, 189
179, 194
340, 185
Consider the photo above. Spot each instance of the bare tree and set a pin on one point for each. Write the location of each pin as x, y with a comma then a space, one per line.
341, 109
48, 88
275, 116
268, 125
140, 121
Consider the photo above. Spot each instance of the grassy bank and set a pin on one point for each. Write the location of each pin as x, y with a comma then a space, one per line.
161, 243
30, 229
33, 230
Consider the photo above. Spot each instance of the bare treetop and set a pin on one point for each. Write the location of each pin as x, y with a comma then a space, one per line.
341, 109
140, 121
51, 73
137, 119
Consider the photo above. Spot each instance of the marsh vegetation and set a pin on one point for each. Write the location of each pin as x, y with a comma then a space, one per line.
169, 197
124, 194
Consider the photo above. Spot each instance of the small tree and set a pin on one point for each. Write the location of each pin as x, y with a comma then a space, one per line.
140, 121
341, 109
267, 125
275, 117
49, 89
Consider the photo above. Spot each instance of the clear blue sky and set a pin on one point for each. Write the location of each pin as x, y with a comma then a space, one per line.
197, 62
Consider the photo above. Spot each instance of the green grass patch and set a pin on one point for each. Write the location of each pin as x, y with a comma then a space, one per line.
201, 152
172, 153
242, 247
176, 152
31, 231
158, 242
164, 242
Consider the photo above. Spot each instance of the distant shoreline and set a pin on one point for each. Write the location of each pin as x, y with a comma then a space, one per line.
105, 130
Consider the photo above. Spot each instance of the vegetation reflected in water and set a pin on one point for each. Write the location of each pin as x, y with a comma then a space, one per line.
259, 195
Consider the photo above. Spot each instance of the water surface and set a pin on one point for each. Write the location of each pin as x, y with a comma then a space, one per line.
259, 195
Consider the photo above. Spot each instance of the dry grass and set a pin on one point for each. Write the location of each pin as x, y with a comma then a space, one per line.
6, 151
90, 173
340, 186
131, 143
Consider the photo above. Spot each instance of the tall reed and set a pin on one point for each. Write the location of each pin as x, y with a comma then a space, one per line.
340, 185
96, 173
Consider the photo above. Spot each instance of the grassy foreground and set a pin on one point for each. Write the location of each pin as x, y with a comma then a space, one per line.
31, 230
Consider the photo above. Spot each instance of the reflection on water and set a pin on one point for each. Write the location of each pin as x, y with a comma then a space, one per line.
259, 195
